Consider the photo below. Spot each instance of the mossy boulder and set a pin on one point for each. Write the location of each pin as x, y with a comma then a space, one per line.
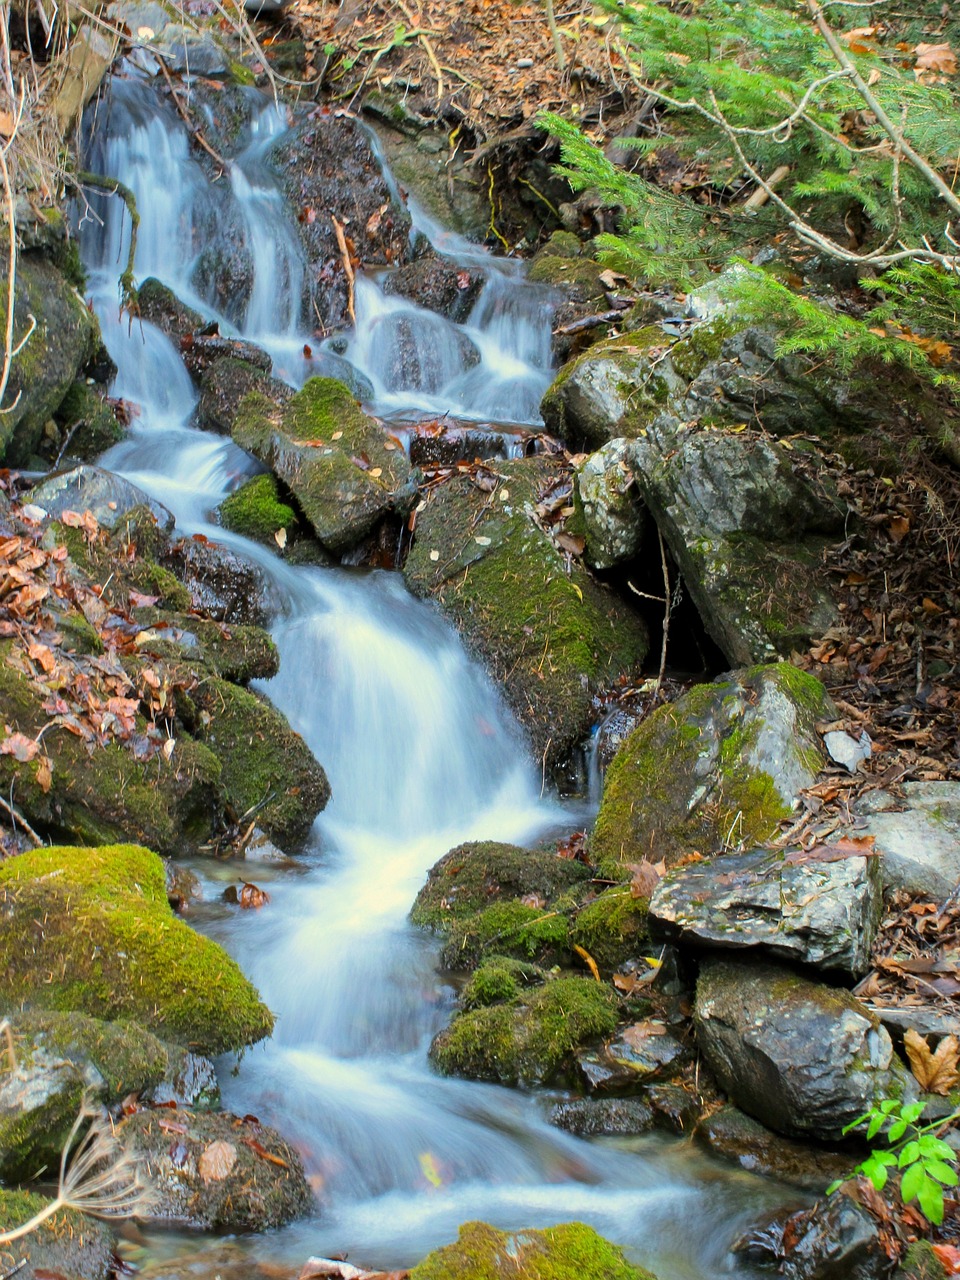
719, 768
222, 389
499, 980
921, 1263
265, 765
161, 306
67, 1244
40, 1098
91, 931
344, 472
65, 337
547, 631
475, 875
571, 1251
237, 653
257, 511
89, 425
117, 1058
529, 1040
512, 928
218, 1172
609, 507
612, 928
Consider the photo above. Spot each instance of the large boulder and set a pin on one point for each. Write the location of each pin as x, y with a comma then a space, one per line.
63, 339
718, 768
732, 1135
344, 472
66, 1243
822, 910
215, 1171
108, 497
547, 631
91, 931
918, 838
803, 1058
571, 1251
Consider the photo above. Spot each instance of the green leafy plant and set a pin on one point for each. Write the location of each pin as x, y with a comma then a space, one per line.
924, 1163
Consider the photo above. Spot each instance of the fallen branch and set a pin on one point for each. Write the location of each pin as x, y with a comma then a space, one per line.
17, 818
113, 187
589, 322
347, 265
762, 194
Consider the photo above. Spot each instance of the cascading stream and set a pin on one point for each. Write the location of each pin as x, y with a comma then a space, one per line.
421, 755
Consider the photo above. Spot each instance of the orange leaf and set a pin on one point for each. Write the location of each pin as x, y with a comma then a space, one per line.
585, 955
217, 1161
937, 1072
938, 58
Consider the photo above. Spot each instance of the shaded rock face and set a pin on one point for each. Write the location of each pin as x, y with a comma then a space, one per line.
328, 169
802, 1058
221, 584
66, 1244
593, 1117
208, 1174
547, 631
344, 472
64, 340
835, 1239
109, 497
161, 306
437, 284
822, 913
610, 506
718, 767
734, 1136
571, 1251
919, 840
101, 919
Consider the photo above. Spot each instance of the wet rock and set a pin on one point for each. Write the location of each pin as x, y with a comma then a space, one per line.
610, 506
817, 912
918, 838
201, 351
612, 927
225, 272
109, 497
746, 532
547, 631
328, 167
438, 284
215, 1171
571, 1251
730, 1134
189, 1081
266, 768
66, 1244
450, 445
802, 1058
720, 766
65, 338
100, 918
835, 1239
193, 52
330, 364
345, 486
238, 653
222, 388
593, 1117
257, 511
420, 352
161, 306
639, 1053
222, 585
88, 423
472, 876
530, 1039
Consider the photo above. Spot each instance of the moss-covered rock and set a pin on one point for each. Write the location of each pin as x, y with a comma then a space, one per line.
265, 765
612, 928
161, 306
475, 875
547, 631
333, 458
40, 1098
65, 336
222, 389
499, 980
571, 1251
91, 931
67, 1244
512, 928
213, 1175
89, 424
117, 1057
237, 653
257, 511
719, 768
921, 1263
531, 1039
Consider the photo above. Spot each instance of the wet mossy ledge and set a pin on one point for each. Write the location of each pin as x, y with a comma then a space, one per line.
91, 931
571, 1251
67, 1244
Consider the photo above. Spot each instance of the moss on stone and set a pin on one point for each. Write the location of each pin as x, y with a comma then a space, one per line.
39, 1102
90, 422
238, 652
67, 1243
612, 928
499, 980
509, 928
921, 1263
91, 931
580, 274
256, 510
571, 1251
528, 1041
129, 1058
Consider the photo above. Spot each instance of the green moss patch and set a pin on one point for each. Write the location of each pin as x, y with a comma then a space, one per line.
91, 931
612, 928
510, 928
256, 510
67, 1243
127, 1057
530, 1040
571, 1251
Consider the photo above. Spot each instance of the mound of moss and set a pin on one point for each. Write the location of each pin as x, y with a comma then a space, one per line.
66, 1244
498, 980
612, 928
126, 1057
530, 1039
477, 874
91, 931
549, 634
509, 928
256, 510
719, 768
571, 1251
332, 457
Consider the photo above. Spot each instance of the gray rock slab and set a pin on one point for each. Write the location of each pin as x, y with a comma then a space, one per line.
918, 838
109, 497
822, 913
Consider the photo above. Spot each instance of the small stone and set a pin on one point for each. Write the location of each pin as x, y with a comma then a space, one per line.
846, 750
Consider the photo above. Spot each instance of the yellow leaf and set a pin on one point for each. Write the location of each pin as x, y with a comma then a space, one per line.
428, 1167
375, 473
280, 538
585, 955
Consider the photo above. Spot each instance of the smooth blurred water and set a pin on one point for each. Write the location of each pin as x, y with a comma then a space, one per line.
421, 755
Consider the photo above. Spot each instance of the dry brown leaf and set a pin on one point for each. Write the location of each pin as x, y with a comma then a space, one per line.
934, 60
938, 1072
44, 775
217, 1161
646, 877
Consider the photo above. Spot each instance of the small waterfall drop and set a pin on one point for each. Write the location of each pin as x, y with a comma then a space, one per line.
421, 755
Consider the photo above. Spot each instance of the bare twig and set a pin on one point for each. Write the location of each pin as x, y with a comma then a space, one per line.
19, 820
347, 264
128, 288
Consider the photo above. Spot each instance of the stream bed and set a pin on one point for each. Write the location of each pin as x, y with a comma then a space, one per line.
421, 754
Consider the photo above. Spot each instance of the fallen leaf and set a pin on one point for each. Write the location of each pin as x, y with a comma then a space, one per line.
375, 473
434, 556
571, 542
588, 960
948, 1256
217, 1161
845, 847
280, 538
44, 775
42, 655
646, 877
7, 124
19, 746
259, 1149
898, 528
935, 60
938, 1072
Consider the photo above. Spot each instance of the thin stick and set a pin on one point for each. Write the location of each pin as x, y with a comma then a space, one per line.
347, 265
761, 196
18, 819
128, 288
555, 36
667, 610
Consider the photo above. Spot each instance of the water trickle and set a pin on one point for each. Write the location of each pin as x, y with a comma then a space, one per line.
421, 755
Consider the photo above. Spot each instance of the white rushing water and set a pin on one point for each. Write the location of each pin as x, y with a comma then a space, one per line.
421, 755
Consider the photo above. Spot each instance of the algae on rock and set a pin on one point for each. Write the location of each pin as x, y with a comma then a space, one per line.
67, 1243
91, 931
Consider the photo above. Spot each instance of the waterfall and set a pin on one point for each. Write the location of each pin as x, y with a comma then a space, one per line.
421, 754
